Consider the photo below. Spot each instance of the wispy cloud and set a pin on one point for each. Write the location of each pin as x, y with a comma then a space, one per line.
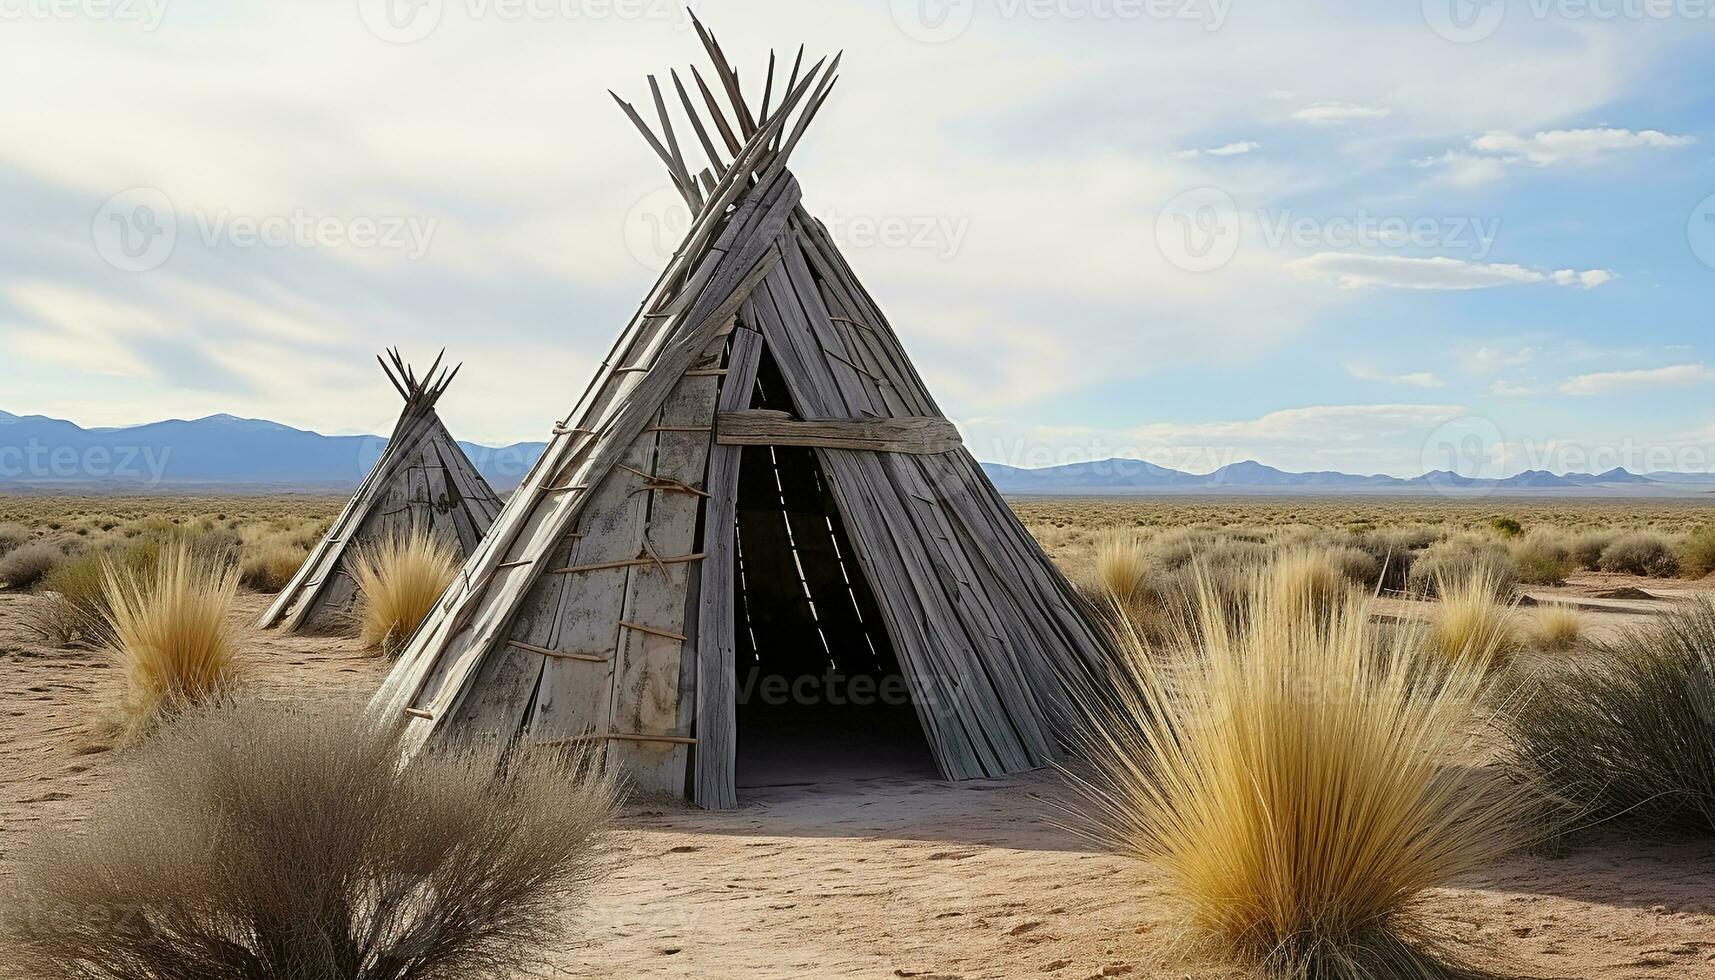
1352, 270
1615, 382
1334, 113
1224, 150
1487, 157
1414, 379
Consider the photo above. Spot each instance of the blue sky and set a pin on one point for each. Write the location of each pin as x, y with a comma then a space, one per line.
1377, 238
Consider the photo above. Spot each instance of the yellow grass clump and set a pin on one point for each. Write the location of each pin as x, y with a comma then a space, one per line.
172, 633
269, 562
1122, 569
400, 576
1558, 626
1295, 782
1470, 622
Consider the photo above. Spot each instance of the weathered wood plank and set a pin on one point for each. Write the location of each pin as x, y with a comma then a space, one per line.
715, 780
760, 427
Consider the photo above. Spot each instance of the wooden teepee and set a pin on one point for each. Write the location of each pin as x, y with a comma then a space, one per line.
614, 595
422, 480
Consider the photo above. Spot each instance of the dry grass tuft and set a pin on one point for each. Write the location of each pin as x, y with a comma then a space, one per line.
400, 577
172, 633
1558, 626
254, 843
1297, 783
1471, 624
1630, 737
1122, 570
269, 562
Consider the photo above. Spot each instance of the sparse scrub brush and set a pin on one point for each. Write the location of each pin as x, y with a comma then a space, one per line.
1697, 552
1296, 785
268, 563
1640, 553
27, 564
1587, 549
1453, 560
399, 578
249, 842
1507, 527
1541, 559
1629, 737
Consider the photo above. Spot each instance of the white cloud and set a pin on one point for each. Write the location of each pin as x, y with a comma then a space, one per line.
1224, 150
1511, 389
1359, 271
1615, 382
1333, 113
1557, 146
1414, 379
1488, 360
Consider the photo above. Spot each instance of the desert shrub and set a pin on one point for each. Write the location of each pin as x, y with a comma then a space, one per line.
1122, 570
173, 635
12, 536
1640, 553
249, 842
1507, 527
1697, 552
1558, 626
1306, 581
75, 607
1295, 784
269, 562
1630, 736
27, 564
399, 577
1453, 560
1541, 559
1470, 623
1587, 549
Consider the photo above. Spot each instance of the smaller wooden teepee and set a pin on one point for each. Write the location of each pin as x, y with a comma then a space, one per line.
423, 479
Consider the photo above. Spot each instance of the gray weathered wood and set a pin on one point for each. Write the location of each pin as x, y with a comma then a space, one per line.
761, 427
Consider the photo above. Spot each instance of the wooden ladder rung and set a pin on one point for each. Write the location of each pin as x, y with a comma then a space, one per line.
652, 630
627, 563
622, 737
556, 654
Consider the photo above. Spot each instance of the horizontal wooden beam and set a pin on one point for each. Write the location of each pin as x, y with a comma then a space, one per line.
918, 435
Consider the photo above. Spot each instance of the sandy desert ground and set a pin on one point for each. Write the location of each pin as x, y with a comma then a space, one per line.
895, 877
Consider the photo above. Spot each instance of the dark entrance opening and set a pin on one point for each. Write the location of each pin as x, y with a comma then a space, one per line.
820, 693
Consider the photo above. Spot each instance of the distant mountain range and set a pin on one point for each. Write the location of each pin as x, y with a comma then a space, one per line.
220, 451
225, 452
1135, 476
